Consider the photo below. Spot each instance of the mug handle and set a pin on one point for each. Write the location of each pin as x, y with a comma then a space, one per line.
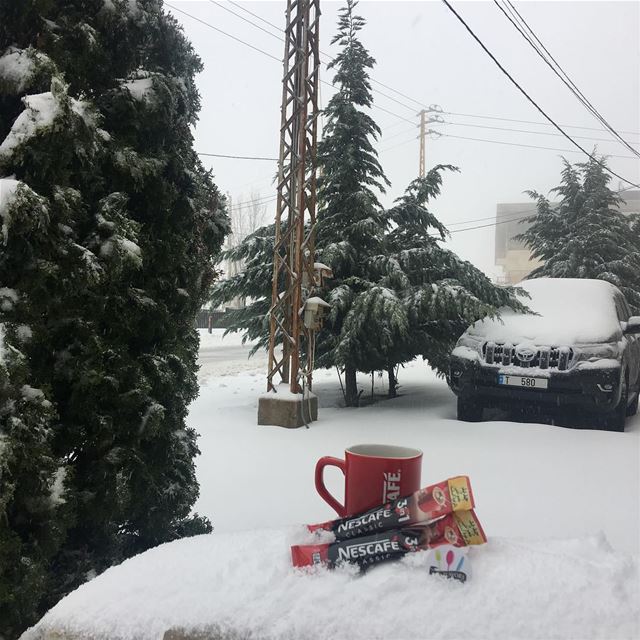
322, 490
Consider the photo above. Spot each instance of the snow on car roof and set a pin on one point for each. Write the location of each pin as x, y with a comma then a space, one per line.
571, 311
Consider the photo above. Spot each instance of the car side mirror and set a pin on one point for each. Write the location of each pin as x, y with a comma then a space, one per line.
632, 325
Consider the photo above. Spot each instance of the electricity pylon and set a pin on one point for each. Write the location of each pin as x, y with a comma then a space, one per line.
294, 252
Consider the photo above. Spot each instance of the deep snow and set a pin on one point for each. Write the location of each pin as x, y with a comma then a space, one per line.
560, 507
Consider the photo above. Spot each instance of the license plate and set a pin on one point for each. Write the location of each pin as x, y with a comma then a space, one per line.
524, 381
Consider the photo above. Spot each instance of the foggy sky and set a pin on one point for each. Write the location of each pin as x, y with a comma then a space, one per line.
424, 52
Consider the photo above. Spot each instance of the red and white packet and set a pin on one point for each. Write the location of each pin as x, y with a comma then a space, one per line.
422, 507
459, 529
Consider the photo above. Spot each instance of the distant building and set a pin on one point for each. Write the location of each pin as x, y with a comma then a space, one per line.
510, 254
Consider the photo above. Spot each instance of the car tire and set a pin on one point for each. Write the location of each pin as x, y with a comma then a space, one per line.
615, 421
469, 410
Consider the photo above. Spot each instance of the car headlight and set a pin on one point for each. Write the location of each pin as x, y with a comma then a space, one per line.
595, 352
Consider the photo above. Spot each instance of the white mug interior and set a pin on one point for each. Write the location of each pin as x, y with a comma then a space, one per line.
383, 451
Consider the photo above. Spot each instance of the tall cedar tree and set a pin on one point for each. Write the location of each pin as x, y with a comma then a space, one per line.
424, 296
397, 293
351, 223
109, 226
585, 235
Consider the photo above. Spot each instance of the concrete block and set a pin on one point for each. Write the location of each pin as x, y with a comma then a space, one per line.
290, 411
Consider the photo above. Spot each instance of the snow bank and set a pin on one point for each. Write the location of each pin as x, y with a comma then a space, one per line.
572, 311
244, 584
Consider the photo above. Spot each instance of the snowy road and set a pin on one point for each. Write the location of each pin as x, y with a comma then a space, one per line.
210, 355
226, 355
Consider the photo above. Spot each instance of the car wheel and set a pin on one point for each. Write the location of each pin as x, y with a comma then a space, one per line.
469, 410
615, 421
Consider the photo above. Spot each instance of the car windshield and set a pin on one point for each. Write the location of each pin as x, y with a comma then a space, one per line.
571, 311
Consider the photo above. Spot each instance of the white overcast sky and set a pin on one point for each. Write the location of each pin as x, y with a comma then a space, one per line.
424, 52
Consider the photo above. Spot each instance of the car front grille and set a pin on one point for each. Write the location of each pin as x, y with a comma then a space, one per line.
559, 358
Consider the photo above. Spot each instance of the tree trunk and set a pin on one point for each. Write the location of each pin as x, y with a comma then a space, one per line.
351, 387
393, 382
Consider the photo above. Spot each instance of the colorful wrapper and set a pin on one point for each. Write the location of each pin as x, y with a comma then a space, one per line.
422, 507
459, 529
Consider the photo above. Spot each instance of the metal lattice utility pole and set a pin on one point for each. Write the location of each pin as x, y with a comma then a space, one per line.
294, 253
424, 121
423, 134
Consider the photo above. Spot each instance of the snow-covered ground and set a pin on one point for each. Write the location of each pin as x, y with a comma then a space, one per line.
561, 508
530, 480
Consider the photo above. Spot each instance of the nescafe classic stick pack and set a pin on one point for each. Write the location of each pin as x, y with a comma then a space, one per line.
422, 507
459, 529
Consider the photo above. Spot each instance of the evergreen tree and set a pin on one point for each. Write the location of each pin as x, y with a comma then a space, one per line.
585, 235
252, 283
107, 244
351, 223
396, 292
425, 296
32, 512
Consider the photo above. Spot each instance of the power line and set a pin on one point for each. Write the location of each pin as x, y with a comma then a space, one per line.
542, 133
376, 106
223, 32
399, 133
399, 144
536, 122
557, 69
406, 119
510, 144
373, 80
222, 155
534, 146
255, 15
257, 26
520, 216
531, 100
249, 203
485, 226
280, 30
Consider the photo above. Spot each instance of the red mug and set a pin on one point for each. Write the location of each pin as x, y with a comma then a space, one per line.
374, 474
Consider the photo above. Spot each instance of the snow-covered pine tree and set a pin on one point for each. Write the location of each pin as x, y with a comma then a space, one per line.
252, 283
351, 224
107, 249
397, 293
584, 235
425, 296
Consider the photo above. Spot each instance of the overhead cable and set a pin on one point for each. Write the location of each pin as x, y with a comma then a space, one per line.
530, 99
541, 50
